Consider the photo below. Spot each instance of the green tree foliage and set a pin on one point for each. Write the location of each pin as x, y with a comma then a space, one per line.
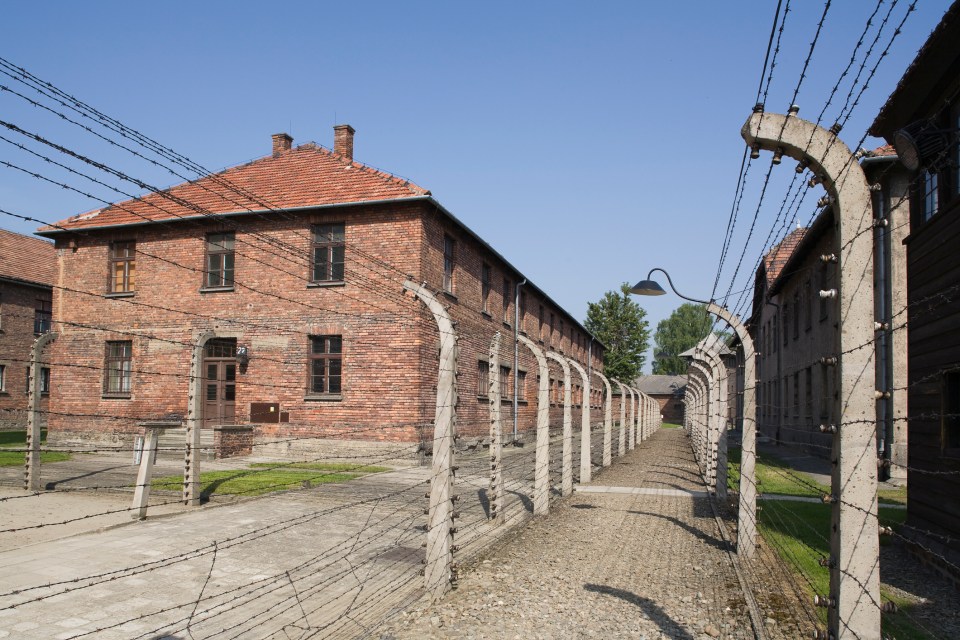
686, 326
619, 323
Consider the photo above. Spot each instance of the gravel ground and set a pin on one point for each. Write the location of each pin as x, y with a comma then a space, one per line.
603, 565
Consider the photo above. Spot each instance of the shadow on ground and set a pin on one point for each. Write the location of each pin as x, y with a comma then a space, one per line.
649, 607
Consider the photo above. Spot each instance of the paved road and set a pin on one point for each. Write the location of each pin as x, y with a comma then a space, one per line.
635, 554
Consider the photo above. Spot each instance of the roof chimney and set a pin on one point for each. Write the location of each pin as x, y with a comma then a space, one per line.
281, 142
343, 140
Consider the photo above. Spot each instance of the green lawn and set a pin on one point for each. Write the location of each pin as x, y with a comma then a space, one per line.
800, 531
18, 440
670, 425
260, 478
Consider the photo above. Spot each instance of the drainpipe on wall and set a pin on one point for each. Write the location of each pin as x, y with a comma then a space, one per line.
516, 354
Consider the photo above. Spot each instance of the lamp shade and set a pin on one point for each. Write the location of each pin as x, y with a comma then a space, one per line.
647, 288
920, 145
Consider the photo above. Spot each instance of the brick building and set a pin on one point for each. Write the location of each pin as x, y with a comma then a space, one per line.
667, 391
27, 271
290, 270
924, 107
794, 327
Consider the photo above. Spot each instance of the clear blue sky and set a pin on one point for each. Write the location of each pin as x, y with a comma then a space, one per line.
586, 142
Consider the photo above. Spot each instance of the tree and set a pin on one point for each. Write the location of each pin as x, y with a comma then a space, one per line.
619, 323
687, 325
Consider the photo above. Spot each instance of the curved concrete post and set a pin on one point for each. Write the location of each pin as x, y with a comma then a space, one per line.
438, 572
854, 543
191, 450
31, 458
718, 443
607, 419
584, 423
566, 472
496, 431
701, 436
747, 508
541, 476
632, 420
622, 444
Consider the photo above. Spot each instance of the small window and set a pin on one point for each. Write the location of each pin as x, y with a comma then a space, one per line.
550, 334
219, 260
44, 380
950, 410
118, 368
483, 378
540, 323
560, 341
3, 377
504, 382
485, 288
42, 316
123, 267
449, 247
930, 196
521, 385
326, 365
506, 300
329, 248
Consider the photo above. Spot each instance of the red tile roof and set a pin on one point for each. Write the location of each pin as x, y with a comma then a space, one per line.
28, 259
778, 256
308, 175
883, 151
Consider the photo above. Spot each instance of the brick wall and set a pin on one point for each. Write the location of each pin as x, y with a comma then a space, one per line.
17, 305
390, 340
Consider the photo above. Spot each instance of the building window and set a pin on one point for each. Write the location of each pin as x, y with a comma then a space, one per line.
44, 380
123, 265
42, 316
449, 247
931, 200
326, 365
504, 382
786, 323
950, 410
483, 378
796, 394
796, 315
329, 247
485, 288
808, 304
118, 368
561, 336
219, 260
506, 301
3, 378
521, 385
550, 335
540, 323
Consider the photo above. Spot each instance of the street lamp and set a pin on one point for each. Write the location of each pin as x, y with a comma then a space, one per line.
747, 511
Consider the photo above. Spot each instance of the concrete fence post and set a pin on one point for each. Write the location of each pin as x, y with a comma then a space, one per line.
631, 419
585, 469
854, 543
496, 432
194, 422
719, 431
31, 459
141, 493
541, 476
622, 440
607, 419
566, 472
439, 571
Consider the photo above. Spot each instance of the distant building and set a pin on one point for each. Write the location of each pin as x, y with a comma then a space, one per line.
794, 326
925, 107
288, 271
28, 269
667, 391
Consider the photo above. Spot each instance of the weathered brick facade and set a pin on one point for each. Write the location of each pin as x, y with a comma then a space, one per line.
390, 340
26, 274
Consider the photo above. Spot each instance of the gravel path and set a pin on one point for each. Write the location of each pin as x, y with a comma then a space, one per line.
603, 565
